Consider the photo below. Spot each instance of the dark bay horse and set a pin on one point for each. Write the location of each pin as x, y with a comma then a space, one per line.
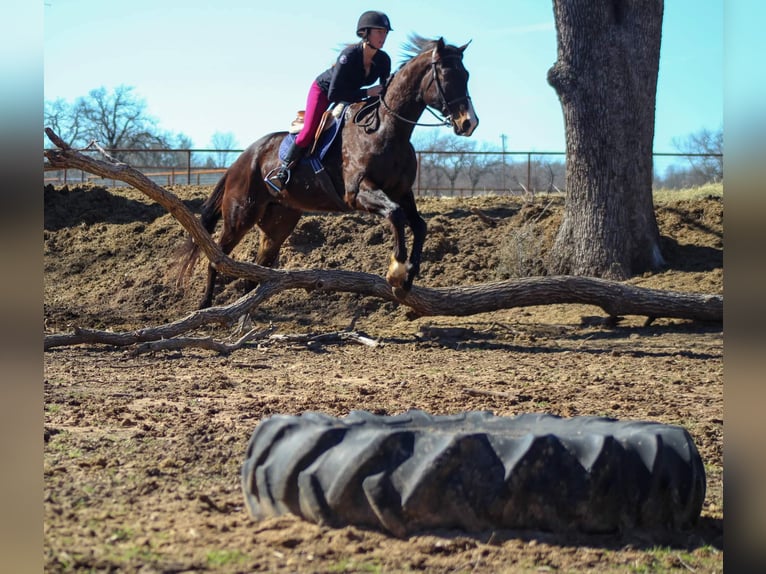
372, 168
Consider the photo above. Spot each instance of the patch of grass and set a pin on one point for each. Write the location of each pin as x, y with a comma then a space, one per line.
120, 535
218, 558
61, 445
347, 565
662, 559
141, 554
668, 195
522, 254
711, 468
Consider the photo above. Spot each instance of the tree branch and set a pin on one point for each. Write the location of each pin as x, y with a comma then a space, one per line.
613, 297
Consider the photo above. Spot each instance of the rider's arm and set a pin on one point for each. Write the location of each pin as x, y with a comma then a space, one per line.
347, 78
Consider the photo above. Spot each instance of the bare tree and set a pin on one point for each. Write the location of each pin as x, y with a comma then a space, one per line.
65, 119
708, 168
451, 165
478, 166
429, 175
223, 141
116, 119
453, 159
606, 79
475, 168
175, 152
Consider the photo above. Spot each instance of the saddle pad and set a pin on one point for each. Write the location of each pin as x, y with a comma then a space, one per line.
323, 145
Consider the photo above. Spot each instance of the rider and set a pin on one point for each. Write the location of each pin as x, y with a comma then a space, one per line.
358, 65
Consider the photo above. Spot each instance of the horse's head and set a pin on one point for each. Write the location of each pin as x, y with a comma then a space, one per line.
446, 87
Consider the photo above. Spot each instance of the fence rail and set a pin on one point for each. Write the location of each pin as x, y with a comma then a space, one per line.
452, 173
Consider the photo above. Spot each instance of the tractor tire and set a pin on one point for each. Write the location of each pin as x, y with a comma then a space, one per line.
473, 472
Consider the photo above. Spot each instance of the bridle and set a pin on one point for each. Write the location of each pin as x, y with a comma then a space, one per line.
446, 119
440, 91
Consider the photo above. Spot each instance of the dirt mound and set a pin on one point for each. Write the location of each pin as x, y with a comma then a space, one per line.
143, 452
111, 255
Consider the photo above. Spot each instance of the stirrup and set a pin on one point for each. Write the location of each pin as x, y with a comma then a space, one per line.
271, 180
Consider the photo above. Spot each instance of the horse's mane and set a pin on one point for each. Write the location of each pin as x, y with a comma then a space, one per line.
416, 45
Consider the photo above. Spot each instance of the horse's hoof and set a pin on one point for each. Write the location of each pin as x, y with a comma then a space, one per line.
397, 273
400, 292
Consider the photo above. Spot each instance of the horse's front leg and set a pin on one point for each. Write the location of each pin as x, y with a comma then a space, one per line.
419, 230
376, 201
397, 275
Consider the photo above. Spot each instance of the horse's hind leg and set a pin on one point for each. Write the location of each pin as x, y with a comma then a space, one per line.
236, 224
207, 298
276, 225
228, 242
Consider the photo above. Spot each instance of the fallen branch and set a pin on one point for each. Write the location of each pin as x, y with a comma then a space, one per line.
266, 335
91, 336
202, 343
616, 299
312, 339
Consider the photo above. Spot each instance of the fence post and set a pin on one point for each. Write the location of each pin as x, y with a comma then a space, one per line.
529, 172
503, 167
188, 166
417, 194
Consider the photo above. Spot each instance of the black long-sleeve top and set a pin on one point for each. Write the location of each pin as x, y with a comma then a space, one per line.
343, 81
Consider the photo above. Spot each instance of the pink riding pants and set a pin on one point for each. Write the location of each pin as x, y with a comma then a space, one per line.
316, 104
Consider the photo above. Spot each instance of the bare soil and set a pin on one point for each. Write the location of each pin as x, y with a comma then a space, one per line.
143, 451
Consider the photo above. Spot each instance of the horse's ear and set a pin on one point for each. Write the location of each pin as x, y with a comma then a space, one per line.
437, 49
464, 46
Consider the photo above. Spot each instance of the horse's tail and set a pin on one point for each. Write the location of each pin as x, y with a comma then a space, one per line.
211, 213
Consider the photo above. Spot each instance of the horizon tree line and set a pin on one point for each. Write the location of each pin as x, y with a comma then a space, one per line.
119, 120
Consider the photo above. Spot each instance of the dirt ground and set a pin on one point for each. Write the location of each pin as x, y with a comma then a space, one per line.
143, 451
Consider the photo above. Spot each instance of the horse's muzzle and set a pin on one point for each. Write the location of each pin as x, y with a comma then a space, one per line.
466, 121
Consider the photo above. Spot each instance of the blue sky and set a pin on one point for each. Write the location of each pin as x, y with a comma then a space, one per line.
244, 67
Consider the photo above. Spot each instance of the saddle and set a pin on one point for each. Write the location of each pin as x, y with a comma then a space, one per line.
329, 118
329, 127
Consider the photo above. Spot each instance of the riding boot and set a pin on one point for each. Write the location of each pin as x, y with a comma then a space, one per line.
278, 181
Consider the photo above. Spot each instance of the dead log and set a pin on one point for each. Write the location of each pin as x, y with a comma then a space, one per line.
615, 298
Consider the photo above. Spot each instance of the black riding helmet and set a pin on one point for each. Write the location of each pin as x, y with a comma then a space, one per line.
372, 19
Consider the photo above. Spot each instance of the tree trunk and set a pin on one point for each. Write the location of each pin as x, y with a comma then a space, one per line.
606, 79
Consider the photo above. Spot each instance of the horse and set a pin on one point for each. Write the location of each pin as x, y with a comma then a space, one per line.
371, 166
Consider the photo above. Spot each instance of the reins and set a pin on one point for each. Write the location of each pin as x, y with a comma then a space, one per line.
366, 120
444, 120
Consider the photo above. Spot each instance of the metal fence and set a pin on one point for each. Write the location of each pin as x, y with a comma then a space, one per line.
440, 173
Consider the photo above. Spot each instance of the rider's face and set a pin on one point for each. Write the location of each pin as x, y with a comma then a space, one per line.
377, 37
